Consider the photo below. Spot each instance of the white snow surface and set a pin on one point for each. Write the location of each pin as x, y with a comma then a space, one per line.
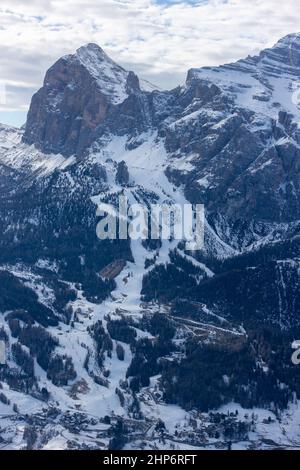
22, 157
110, 77
146, 165
264, 84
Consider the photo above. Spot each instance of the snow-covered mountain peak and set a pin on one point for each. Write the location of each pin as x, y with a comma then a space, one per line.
111, 77
91, 47
104, 336
284, 57
265, 83
79, 92
290, 41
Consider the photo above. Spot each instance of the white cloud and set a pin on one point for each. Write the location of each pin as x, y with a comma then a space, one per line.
159, 40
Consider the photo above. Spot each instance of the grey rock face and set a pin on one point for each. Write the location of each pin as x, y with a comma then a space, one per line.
231, 141
235, 125
238, 130
232, 123
80, 91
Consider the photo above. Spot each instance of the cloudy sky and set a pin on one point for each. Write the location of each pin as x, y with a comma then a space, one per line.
158, 39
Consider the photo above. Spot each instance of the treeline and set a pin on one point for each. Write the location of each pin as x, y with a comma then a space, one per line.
259, 372
147, 353
251, 289
102, 341
166, 282
41, 344
14, 295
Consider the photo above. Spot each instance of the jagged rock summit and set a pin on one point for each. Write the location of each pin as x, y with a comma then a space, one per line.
264, 83
87, 94
231, 132
78, 93
102, 336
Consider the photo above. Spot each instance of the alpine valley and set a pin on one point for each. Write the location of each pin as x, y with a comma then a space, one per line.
133, 344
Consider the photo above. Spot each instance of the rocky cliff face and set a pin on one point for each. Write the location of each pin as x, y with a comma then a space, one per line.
231, 135
231, 132
238, 136
228, 138
80, 91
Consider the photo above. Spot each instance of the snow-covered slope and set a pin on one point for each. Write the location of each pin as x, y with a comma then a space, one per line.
21, 157
127, 359
9, 137
264, 84
111, 78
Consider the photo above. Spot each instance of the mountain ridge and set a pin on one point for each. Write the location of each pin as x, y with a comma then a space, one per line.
179, 348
